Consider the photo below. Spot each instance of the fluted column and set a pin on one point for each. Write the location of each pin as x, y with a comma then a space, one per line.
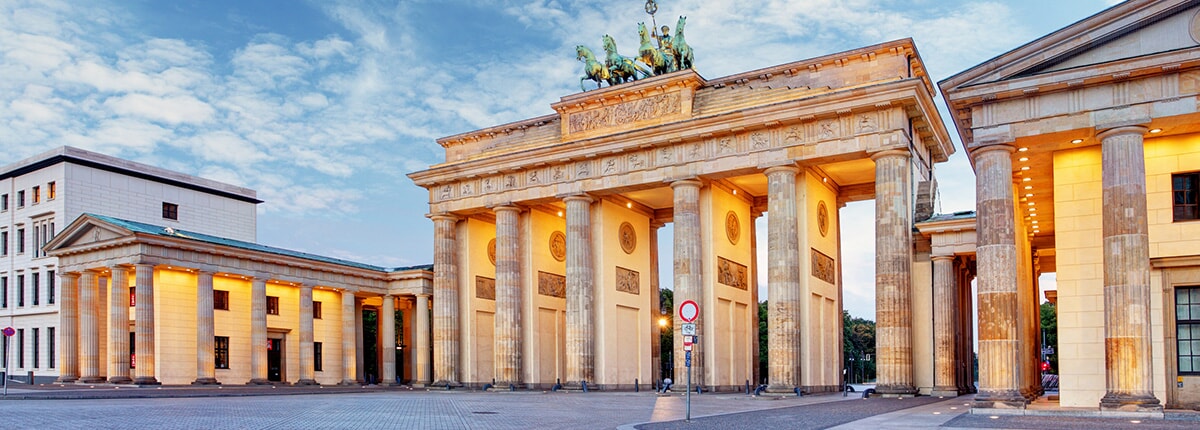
655, 306
143, 329
421, 374
306, 337
893, 272
580, 279
945, 302
118, 326
996, 250
783, 281
387, 345
258, 331
68, 323
89, 330
349, 362
206, 364
445, 301
508, 297
689, 269
1129, 380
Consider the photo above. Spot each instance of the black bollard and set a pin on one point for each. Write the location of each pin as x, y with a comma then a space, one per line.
512, 387
636, 389
585, 386
747, 386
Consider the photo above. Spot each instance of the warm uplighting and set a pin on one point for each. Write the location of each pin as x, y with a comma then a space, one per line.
1028, 194
1026, 179
1034, 222
1029, 187
1030, 203
1022, 149
1033, 210
629, 205
735, 192
1155, 130
1025, 168
1023, 159
560, 214
824, 179
1077, 141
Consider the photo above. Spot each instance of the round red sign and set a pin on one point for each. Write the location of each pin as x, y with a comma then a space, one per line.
8, 331
688, 311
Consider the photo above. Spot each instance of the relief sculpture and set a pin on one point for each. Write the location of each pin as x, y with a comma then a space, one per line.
625, 113
823, 267
731, 274
485, 288
552, 285
627, 281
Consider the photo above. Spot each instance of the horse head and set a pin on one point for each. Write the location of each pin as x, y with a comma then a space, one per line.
610, 46
679, 25
642, 31
582, 52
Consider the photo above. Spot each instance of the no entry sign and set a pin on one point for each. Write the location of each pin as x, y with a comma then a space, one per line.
688, 311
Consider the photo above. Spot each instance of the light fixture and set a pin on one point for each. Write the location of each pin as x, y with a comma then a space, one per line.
1028, 194
1025, 168
1029, 187
1026, 179
1033, 210
735, 191
824, 179
629, 205
560, 214
1022, 149
1031, 203
1077, 141
1155, 130
1033, 215
1034, 222
1023, 159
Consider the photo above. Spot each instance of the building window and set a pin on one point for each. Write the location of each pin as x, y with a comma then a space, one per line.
170, 211
316, 310
51, 191
272, 305
221, 300
317, 356
36, 348
221, 352
1187, 328
3, 243
20, 290
35, 285
20, 199
50, 287
1185, 190
132, 296
50, 347
3, 292
36, 196
20, 241
4, 202
20, 348
132, 350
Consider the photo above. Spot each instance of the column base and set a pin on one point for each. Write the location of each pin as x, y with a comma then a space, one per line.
308, 382
449, 385
348, 382
91, 380
503, 386
120, 380
260, 381
206, 381
1011, 399
779, 389
420, 384
895, 390
66, 379
944, 392
1130, 403
146, 380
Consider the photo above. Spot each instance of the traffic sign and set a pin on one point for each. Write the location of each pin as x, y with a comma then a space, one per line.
689, 329
8, 331
688, 311
687, 347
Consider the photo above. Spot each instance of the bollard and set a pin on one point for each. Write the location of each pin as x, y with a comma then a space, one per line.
585, 386
30, 377
512, 387
747, 386
698, 390
636, 389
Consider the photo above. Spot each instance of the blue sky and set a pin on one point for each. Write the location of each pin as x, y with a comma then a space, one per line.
323, 107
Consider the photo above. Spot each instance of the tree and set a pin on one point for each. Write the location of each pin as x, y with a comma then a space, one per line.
762, 340
858, 342
666, 336
1050, 334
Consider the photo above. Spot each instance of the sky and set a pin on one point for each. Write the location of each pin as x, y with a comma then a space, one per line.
323, 107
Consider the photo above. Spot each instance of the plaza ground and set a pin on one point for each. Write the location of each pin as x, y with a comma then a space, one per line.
373, 407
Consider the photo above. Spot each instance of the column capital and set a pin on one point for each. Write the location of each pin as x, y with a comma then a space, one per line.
424, 295
508, 207
980, 150
579, 197
942, 257
443, 216
891, 153
1123, 129
69, 275
785, 168
688, 182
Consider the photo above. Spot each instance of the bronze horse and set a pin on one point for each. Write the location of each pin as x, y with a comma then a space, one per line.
660, 62
683, 51
622, 68
592, 69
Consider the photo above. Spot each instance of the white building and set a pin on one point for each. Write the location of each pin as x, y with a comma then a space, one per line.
43, 193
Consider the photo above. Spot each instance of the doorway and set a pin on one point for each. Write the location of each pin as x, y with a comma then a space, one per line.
275, 360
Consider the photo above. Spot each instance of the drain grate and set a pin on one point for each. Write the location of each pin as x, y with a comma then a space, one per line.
485, 412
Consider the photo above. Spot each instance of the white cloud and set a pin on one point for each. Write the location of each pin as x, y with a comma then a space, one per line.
173, 110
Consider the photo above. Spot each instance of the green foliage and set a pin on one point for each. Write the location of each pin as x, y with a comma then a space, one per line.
1050, 333
858, 342
762, 340
666, 299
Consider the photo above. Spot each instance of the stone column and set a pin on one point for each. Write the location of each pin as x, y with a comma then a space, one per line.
89, 330
421, 374
445, 301
945, 302
689, 269
306, 337
655, 306
143, 328
755, 348
508, 297
118, 326
783, 281
387, 344
996, 250
1128, 363
359, 337
68, 323
580, 279
893, 272
206, 341
258, 331
349, 363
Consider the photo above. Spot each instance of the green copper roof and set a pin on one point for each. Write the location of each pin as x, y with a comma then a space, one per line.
140, 227
950, 217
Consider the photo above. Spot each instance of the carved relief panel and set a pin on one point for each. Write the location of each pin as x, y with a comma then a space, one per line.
628, 281
485, 288
732, 274
553, 285
823, 267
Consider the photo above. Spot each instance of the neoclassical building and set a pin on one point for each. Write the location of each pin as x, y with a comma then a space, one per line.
546, 253
1086, 150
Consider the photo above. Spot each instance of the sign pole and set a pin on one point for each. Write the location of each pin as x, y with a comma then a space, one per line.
688, 416
8, 332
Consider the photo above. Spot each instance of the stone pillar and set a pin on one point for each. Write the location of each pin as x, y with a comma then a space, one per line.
445, 301
508, 297
945, 302
89, 330
206, 332
144, 325
581, 348
783, 281
1129, 379
996, 250
755, 348
359, 337
387, 344
349, 346
655, 306
421, 374
893, 273
118, 326
68, 323
689, 269
306, 337
258, 331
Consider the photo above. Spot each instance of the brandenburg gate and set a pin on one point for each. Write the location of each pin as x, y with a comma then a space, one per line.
546, 251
